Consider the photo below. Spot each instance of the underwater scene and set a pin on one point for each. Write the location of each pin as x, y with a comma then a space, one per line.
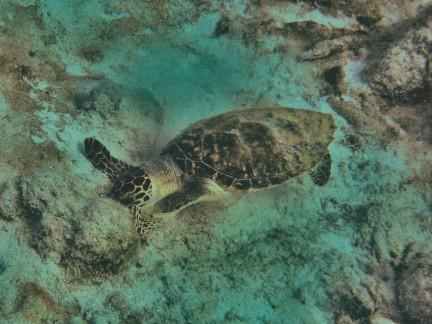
204, 161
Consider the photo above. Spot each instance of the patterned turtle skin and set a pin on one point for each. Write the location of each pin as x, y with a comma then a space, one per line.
238, 150
255, 148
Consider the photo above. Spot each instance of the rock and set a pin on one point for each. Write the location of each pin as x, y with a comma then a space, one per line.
312, 31
353, 303
366, 120
344, 319
352, 114
369, 13
117, 302
415, 290
102, 240
43, 209
90, 242
326, 48
8, 197
379, 319
102, 98
36, 305
2, 267
415, 120
334, 77
402, 74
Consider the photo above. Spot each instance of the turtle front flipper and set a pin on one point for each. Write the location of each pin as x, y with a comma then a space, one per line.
320, 173
131, 185
102, 160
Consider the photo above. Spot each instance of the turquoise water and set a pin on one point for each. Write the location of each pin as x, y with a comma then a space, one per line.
133, 74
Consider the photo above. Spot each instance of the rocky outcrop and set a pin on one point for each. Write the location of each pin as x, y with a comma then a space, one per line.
34, 304
90, 242
403, 73
100, 243
415, 290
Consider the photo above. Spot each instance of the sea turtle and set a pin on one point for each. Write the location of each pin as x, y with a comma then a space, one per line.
245, 149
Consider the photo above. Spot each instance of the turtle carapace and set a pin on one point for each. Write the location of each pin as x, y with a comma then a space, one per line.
247, 149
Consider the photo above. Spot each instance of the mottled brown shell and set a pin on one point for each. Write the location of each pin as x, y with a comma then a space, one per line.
253, 148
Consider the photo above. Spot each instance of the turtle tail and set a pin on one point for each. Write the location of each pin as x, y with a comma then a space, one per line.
131, 184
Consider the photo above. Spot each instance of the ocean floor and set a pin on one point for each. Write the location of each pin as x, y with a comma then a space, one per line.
133, 74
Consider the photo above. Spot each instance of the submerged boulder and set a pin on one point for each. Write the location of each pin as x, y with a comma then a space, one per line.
34, 304
101, 241
403, 73
415, 290
68, 224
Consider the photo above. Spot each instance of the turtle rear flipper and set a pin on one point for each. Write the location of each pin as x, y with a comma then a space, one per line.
320, 173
